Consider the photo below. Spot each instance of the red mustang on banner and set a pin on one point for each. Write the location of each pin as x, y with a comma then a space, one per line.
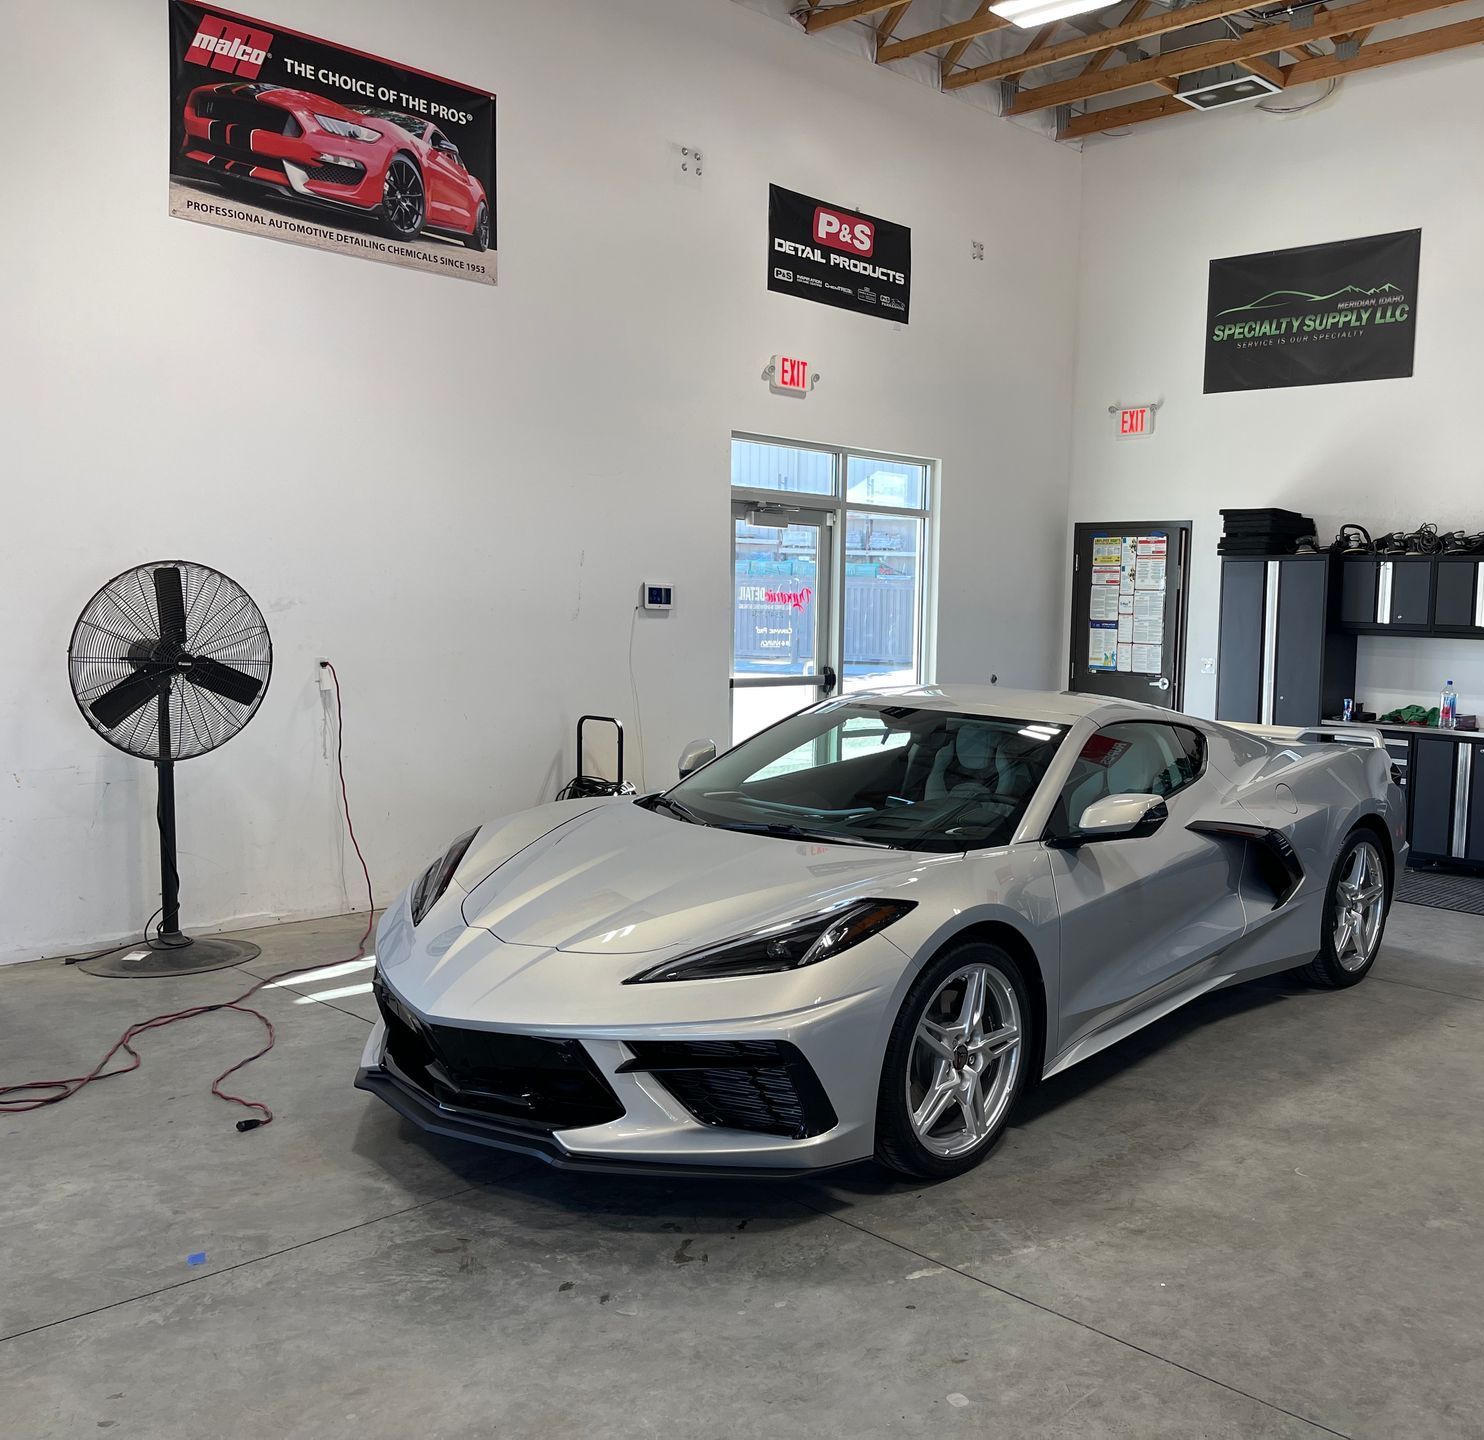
401, 169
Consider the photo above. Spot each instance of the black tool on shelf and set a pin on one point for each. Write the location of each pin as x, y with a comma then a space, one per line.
586, 787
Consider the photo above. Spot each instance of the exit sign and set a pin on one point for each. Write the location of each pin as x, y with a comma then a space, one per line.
790, 375
1134, 422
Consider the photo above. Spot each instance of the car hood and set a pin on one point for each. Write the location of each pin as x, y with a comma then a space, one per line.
620, 879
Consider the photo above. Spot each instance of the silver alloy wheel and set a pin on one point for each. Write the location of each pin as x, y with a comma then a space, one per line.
964, 1060
1360, 907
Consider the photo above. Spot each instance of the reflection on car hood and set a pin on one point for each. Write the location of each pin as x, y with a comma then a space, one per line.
620, 879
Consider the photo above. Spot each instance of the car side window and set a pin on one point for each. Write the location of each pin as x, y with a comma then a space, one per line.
1136, 757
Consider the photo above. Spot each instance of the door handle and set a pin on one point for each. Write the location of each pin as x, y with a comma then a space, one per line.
1161, 684
828, 676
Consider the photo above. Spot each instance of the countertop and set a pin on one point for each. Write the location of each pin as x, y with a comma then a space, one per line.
1432, 732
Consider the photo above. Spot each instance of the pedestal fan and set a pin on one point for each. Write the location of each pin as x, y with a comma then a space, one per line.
169, 661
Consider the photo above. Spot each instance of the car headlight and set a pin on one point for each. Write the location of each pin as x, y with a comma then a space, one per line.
434, 880
347, 128
787, 946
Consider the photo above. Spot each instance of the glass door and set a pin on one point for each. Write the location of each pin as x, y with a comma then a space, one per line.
782, 627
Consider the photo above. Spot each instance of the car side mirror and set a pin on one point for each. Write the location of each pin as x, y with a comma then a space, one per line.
696, 754
1118, 817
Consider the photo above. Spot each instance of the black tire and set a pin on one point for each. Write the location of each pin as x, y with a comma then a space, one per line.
899, 1144
1338, 965
404, 200
480, 239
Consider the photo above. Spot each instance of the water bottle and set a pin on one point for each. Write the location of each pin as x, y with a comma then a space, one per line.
1448, 708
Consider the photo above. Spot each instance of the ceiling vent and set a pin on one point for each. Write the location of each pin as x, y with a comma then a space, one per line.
1226, 85
1223, 85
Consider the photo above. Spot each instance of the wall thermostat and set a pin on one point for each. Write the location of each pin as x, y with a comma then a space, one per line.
654, 595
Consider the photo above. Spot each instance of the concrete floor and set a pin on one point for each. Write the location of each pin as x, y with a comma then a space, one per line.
1259, 1218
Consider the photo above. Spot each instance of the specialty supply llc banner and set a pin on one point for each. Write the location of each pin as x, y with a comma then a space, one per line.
1321, 315
279, 134
838, 257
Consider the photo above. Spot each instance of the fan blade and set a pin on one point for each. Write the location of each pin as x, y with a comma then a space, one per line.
225, 680
170, 601
115, 705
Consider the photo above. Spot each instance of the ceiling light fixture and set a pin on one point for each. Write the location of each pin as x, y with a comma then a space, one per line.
1029, 14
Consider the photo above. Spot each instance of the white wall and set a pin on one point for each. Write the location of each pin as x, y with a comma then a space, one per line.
1394, 150
454, 492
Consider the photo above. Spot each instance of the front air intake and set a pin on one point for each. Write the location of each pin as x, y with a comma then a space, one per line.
761, 1085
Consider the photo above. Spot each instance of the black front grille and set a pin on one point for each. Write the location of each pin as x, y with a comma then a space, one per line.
761, 1085
336, 174
525, 1080
235, 108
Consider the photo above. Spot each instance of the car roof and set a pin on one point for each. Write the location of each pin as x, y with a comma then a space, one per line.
987, 700
1063, 707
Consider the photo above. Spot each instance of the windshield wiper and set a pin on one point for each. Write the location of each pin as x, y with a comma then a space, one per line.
681, 812
798, 832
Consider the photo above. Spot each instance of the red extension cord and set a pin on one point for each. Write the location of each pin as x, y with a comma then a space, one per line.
33, 1094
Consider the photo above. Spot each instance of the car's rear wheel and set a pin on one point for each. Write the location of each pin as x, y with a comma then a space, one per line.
955, 1062
404, 202
480, 239
1355, 909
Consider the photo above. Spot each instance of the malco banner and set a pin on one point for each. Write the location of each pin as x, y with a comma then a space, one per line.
276, 133
1321, 315
839, 257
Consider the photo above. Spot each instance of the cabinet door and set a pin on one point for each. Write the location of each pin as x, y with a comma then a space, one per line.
1298, 669
1433, 769
1239, 672
1358, 592
1457, 595
1474, 835
1411, 593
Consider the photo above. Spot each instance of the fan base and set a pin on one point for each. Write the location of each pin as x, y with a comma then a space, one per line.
139, 962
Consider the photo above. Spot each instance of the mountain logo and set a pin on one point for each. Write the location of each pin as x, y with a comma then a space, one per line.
1279, 299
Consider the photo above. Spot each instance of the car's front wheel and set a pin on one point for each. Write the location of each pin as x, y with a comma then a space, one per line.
480, 239
1355, 909
955, 1062
404, 203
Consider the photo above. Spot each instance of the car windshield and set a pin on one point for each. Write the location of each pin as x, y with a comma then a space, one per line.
878, 774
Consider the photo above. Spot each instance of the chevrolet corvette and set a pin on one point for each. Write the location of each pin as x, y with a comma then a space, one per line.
866, 930
401, 170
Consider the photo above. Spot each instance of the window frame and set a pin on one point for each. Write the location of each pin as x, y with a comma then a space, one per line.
838, 508
1052, 830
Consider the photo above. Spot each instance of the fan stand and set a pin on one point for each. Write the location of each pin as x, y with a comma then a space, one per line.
172, 953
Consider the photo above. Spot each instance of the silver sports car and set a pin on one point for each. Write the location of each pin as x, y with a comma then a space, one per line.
867, 929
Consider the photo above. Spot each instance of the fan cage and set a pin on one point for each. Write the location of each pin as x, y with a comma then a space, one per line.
121, 624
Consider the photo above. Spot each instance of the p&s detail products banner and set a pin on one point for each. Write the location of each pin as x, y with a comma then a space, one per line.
1321, 315
275, 133
838, 257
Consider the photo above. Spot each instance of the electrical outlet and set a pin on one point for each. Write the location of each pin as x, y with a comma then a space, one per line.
976, 249
1208, 665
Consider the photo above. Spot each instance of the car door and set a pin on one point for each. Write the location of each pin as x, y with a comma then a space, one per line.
448, 189
1141, 918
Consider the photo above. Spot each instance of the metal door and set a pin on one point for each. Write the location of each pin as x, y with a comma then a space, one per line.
783, 638
1128, 610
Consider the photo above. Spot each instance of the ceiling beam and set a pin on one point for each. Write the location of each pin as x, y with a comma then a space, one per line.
1117, 117
841, 14
888, 27
1122, 34
980, 24
1134, 12
1263, 40
1264, 70
1389, 52
955, 52
1439, 39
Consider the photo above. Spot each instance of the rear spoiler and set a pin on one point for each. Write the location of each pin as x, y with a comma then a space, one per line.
1313, 734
